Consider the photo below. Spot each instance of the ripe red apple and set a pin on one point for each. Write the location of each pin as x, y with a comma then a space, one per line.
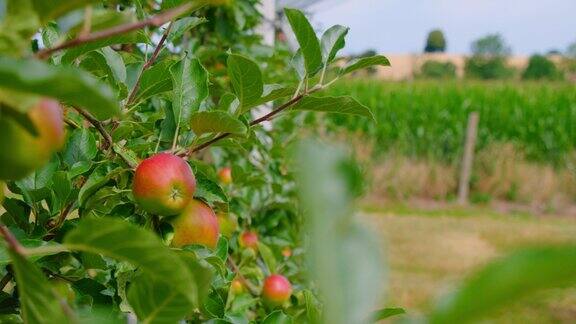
225, 175
249, 240
21, 152
277, 290
196, 225
164, 184
228, 224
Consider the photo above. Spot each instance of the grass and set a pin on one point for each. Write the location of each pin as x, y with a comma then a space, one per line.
428, 118
430, 251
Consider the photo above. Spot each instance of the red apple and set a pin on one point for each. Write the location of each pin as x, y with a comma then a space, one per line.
249, 240
21, 152
277, 290
196, 225
225, 175
164, 184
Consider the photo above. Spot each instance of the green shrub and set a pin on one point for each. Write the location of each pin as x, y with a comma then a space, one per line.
540, 67
438, 70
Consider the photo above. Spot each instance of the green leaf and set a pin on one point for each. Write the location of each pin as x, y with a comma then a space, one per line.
507, 280
98, 179
343, 257
67, 84
155, 80
340, 105
365, 62
309, 44
277, 317
123, 241
385, 313
38, 303
246, 79
30, 244
20, 22
267, 256
183, 25
190, 80
131, 38
51, 9
216, 122
155, 302
209, 190
81, 146
333, 40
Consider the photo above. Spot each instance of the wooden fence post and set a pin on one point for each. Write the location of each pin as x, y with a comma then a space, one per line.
468, 158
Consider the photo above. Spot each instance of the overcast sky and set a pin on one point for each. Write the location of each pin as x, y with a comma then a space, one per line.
401, 26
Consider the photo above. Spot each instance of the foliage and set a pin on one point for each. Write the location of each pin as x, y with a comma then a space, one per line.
487, 68
492, 45
428, 119
540, 67
436, 42
185, 77
438, 70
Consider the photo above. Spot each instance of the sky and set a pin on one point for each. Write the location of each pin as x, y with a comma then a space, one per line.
401, 26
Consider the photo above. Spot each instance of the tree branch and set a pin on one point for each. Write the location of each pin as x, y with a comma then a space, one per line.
148, 64
11, 240
108, 142
253, 290
260, 120
157, 21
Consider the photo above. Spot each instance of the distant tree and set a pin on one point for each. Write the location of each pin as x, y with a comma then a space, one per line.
491, 45
438, 70
540, 67
488, 59
554, 51
571, 51
436, 42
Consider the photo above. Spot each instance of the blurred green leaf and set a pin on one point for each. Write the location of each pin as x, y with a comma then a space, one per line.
131, 38
246, 79
340, 105
386, 313
29, 244
39, 304
51, 9
155, 302
333, 40
216, 122
277, 317
121, 240
267, 256
344, 257
274, 92
364, 62
506, 280
309, 44
19, 24
67, 84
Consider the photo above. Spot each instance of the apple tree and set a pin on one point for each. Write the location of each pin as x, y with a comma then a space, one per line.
146, 159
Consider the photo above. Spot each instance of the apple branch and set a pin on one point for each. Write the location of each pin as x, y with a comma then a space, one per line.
157, 21
255, 122
108, 142
148, 64
253, 290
